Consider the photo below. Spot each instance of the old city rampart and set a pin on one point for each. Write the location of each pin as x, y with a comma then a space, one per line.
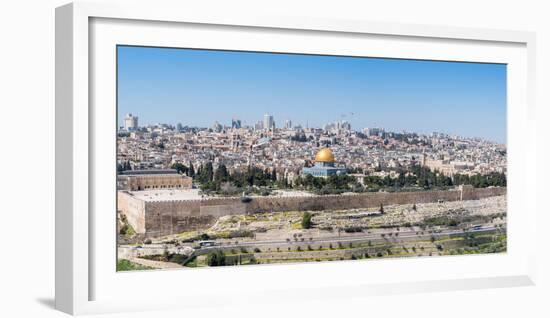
159, 218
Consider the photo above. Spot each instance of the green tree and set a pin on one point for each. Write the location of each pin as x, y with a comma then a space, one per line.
216, 258
306, 220
191, 172
180, 167
274, 175
207, 173
221, 173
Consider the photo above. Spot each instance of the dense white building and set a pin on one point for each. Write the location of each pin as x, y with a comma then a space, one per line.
130, 122
269, 123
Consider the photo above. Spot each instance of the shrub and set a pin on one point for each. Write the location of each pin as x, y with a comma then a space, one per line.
216, 258
306, 220
246, 199
353, 229
123, 229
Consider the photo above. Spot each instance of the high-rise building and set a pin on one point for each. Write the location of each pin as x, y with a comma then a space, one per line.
217, 127
235, 123
130, 122
288, 124
268, 122
345, 125
374, 131
179, 127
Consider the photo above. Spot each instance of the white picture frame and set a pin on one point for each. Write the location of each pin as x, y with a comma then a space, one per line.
83, 31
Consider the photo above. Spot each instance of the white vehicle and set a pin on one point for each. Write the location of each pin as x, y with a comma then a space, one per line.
206, 243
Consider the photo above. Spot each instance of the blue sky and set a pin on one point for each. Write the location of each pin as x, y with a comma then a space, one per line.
198, 87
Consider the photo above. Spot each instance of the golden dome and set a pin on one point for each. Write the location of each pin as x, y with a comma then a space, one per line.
324, 155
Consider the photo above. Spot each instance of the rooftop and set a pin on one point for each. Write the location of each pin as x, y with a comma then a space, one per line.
145, 172
166, 195
193, 194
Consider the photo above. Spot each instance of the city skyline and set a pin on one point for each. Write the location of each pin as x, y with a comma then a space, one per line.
171, 86
281, 125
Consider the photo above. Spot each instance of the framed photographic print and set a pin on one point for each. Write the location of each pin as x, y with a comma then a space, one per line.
287, 177
274, 155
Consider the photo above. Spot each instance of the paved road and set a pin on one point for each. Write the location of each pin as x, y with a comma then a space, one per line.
367, 237
376, 237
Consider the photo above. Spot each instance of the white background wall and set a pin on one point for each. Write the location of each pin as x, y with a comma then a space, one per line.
27, 157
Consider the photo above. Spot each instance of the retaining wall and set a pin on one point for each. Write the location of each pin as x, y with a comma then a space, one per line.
159, 218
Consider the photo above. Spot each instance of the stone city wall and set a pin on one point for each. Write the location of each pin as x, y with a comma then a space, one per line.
171, 217
133, 209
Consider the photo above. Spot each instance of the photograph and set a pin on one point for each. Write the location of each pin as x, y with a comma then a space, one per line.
229, 158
